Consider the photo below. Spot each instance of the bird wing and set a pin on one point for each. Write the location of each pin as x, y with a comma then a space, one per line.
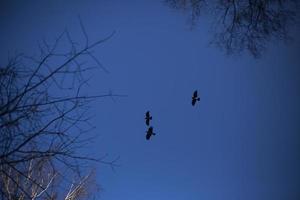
195, 93
193, 102
148, 136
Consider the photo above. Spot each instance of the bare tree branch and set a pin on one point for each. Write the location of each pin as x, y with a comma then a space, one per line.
44, 119
241, 25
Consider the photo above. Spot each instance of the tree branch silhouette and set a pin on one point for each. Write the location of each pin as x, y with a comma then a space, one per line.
43, 118
243, 25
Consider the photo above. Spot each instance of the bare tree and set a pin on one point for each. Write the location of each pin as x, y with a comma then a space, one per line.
37, 179
44, 120
244, 24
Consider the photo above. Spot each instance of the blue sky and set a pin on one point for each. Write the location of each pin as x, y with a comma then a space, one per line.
240, 142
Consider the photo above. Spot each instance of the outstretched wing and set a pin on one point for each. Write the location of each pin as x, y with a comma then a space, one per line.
147, 114
195, 94
194, 101
148, 136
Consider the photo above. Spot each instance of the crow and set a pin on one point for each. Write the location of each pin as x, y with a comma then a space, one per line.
195, 98
149, 133
148, 118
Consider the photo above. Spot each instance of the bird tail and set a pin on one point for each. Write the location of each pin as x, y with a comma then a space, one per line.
150, 117
153, 133
198, 99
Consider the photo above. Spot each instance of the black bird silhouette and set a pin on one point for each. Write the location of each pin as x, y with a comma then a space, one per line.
148, 118
195, 98
150, 133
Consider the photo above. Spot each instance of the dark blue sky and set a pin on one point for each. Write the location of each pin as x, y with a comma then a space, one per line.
242, 140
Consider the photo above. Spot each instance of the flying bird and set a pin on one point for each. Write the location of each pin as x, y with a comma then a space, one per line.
195, 98
150, 133
148, 118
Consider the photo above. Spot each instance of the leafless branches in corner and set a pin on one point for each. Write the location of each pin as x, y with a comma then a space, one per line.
193, 7
244, 24
44, 120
